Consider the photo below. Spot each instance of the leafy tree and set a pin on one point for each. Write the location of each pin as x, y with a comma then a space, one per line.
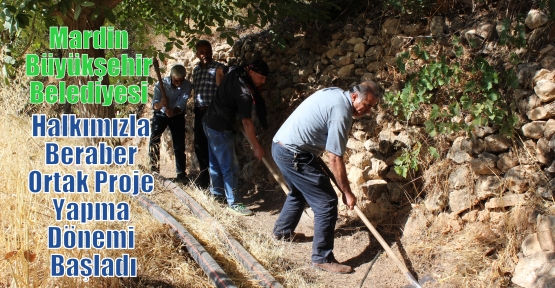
26, 23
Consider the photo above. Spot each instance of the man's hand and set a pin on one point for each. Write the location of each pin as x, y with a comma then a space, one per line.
258, 152
340, 174
349, 199
251, 136
164, 102
169, 112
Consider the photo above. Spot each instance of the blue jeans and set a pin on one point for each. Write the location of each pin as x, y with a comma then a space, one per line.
308, 184
223, 165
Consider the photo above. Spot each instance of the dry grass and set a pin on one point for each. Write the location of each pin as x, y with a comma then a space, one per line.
270, 253
24, 257
479, 252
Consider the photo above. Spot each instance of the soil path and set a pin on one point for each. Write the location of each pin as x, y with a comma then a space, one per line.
354, 244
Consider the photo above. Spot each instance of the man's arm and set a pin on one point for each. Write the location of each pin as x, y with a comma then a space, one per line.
340, 174
156, 99
249, 131
219, 75
182, 99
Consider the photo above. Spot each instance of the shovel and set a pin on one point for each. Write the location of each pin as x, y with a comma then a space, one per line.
413, 282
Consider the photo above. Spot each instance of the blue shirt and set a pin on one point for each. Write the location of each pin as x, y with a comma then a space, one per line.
204, 83
177, 97
322, 122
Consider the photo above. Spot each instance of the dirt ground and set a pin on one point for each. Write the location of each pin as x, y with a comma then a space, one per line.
354, 244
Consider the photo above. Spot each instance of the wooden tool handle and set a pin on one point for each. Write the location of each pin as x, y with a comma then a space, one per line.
269, 166
159, 76
375, 232
377, 235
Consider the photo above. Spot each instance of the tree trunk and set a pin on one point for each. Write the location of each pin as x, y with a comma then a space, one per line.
83, 22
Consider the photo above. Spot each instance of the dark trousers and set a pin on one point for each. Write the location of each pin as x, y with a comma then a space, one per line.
308, 184
201, 149
158, 125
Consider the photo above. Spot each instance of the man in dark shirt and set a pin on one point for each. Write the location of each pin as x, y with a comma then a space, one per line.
236, 95
207, 75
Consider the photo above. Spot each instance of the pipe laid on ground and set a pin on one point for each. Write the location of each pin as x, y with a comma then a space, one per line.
264, 278
214, 272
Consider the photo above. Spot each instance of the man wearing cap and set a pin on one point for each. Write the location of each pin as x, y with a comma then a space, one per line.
177, 90
321, 123
236, 94
207, 75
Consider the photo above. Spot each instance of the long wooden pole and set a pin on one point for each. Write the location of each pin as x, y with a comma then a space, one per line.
164, 99
277, 176
375, 232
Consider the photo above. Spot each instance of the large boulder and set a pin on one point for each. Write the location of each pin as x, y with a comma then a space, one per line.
485, 164
549, 129
360, 49
525, 72
488, 186
497, 143
373, 189
506, 201
360, 159
374, 53
518, 178
436, 202
437, 26
355, 175
485, 30
530, 245
416, 224
544, 153
391, 26
535, 19
346, 71
473, 146
460, 177
537, 266
507, 161
376, 170
413, 29
529, 103
545, 89
534, 130
457, 153
461, 199
355, 40
546, 232
483, 131
371, 145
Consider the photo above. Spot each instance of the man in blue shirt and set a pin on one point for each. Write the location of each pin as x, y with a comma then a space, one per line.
321, 123
207, 75
170, 115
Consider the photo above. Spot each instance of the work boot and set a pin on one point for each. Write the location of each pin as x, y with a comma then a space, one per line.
333, 267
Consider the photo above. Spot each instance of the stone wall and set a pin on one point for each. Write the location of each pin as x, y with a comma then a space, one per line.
484, 172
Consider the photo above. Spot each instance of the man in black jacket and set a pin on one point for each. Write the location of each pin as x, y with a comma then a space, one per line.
236, 95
